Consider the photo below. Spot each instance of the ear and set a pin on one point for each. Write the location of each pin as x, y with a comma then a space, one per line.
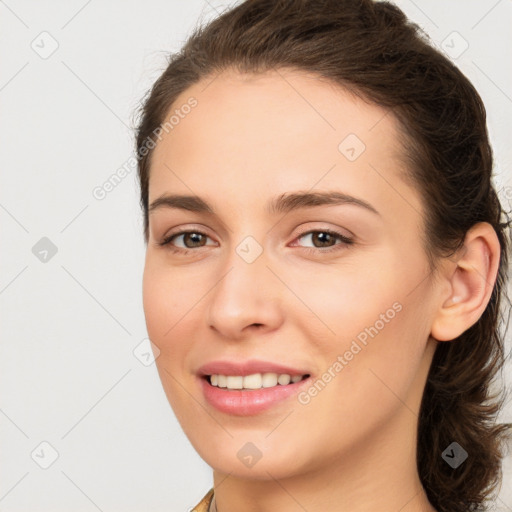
470, 279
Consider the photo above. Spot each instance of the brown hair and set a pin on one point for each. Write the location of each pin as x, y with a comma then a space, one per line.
374, 51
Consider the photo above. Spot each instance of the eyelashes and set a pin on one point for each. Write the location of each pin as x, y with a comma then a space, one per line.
332, 235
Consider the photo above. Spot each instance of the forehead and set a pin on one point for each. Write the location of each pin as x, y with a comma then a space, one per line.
261, 134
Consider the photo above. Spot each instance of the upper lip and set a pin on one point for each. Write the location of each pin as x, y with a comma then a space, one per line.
243, 368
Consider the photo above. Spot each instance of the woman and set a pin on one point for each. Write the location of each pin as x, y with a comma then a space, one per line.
325, 260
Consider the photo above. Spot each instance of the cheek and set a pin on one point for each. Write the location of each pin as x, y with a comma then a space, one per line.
169, 298
368, 317
168, 308
158, 305
347, 299
166, 301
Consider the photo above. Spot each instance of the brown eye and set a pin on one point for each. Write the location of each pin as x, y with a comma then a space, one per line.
195, 239
189, 240
325, 238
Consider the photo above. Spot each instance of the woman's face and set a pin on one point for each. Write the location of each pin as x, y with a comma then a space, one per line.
265, 282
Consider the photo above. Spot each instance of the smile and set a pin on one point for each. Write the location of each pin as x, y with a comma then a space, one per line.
254, 381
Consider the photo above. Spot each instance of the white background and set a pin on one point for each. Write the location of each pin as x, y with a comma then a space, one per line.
69, 326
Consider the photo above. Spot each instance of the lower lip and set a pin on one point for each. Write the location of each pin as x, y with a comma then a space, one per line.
246, 402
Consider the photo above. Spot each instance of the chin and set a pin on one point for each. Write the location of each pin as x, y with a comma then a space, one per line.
245, 460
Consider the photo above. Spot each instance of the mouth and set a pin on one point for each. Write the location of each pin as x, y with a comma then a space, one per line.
249, 395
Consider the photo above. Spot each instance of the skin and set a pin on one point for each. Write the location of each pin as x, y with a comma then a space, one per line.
352, 447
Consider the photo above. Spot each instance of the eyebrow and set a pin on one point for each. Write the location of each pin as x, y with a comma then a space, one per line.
283, 203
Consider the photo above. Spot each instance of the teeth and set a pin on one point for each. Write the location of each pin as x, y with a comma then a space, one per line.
254, 381
234, 382
269, 380
285, 379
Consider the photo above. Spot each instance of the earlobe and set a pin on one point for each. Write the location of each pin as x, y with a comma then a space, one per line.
470, 280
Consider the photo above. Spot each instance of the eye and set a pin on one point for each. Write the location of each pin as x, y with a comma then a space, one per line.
325, 239
194, 238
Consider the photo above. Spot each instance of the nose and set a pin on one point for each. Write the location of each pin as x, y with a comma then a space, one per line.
246, 299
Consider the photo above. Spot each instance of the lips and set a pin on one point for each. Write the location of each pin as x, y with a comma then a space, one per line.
248, 402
